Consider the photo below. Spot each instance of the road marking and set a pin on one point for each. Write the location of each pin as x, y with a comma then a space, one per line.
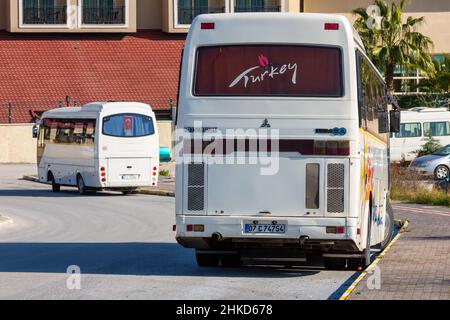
352, 287
421, 210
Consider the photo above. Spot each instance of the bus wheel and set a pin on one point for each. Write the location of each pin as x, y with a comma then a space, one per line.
128, 192
207, 260
334, 263
55, 187
81, 186
231, 260
388, 226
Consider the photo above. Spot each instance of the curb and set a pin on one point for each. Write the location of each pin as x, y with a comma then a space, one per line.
162, 193
30, 178
352, 287
156, 192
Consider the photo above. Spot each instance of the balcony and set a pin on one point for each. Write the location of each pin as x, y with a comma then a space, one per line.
104, 16
44, 12
188, 10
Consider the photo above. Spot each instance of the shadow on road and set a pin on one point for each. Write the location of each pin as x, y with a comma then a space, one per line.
146, 259
43, 193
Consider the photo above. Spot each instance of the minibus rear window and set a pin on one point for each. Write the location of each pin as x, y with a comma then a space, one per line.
128, 125
268, 70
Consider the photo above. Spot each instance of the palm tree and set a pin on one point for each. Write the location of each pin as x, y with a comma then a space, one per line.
394, 43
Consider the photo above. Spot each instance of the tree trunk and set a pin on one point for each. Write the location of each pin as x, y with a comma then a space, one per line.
389, 78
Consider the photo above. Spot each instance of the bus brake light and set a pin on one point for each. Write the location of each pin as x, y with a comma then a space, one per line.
331, 26
207, 25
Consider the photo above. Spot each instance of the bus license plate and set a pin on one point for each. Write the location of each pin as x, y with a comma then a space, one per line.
130, 177
265, 228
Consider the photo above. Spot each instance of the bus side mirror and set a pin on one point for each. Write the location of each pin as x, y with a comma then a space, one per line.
394, 121
35, 131
383, 124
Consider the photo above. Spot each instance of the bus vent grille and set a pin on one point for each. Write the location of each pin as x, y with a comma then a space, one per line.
335, 188
196, 186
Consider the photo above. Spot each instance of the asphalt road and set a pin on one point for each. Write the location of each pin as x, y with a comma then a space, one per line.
125, 249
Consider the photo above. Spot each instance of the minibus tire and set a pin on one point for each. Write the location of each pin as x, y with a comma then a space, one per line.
80, 185
390, 216
55, 187
128, 192
207, 260
231, 260
334, 263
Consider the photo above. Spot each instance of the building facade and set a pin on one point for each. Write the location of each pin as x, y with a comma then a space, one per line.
65, 52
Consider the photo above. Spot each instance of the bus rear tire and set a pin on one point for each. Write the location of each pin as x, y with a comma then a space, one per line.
55, 187
334, 263
81, 186
389, 226
207, 260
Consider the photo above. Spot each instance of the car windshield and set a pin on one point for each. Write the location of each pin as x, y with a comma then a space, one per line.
445, 151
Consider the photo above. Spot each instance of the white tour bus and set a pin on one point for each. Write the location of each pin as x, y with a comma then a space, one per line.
307, 77
99, 146
418, 124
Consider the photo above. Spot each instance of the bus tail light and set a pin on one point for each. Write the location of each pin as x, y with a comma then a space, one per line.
335, 230
207, 26
195, 228
331, 26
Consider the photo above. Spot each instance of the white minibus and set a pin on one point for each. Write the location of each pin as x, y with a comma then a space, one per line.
417, 125
302, 118
99, 146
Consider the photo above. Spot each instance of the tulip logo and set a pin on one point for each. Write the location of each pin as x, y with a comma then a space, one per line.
263, 60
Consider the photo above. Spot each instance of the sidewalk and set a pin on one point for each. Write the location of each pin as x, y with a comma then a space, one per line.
418, 264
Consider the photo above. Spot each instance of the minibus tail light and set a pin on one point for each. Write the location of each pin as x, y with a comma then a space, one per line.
207, 25
102, 169
331, 26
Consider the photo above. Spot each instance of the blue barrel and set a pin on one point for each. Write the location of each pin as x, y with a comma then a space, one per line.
164, 154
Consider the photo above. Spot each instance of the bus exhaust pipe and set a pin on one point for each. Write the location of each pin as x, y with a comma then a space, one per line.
216, 236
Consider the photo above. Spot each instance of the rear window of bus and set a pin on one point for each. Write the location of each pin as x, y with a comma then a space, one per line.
268, 70
128, 125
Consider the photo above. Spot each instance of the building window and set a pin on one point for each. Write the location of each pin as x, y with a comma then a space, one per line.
407, 82
187, 10
43, 12
257, 6
104, 12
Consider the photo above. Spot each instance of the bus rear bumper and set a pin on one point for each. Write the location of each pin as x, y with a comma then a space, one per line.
228, 233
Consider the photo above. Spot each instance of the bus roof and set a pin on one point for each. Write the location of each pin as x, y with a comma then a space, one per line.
95, 108
283, 27
424, 113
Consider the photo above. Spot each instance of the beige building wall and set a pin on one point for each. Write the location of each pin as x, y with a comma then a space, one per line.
165, 129
17, 144
436, 13
73, 26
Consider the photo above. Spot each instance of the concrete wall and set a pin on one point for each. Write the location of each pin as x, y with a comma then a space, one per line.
436, 13
165, 129
17, 144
